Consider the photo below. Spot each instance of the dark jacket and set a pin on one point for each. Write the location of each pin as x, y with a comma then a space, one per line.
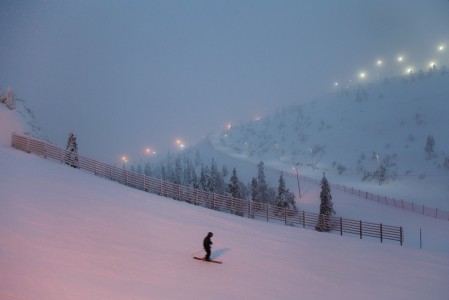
207, 242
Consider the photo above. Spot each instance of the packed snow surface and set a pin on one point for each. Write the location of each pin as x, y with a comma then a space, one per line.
66, 234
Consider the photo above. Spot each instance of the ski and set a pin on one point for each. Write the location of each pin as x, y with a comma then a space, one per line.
211, 260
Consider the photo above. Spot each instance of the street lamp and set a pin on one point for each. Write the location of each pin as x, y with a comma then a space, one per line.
297, 178
149, 151
124, 159
180, 144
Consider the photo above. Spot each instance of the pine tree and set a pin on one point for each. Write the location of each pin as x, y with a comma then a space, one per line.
262, 188
326, 206
429, 146
284, 198
203, 178
217, 182
72, 151
234, 185
194, 180
147, 169
253, 189
177, 172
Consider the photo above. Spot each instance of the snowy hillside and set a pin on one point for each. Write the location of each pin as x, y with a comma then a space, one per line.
66, 234
357, 134
19, 119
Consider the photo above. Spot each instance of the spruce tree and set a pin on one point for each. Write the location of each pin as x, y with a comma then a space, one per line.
253, 189
262, 188
326, 206
234, 185
203, 180
177, 172
217, 180
284, 198
72, 150
429, 146
147, 169
194, 180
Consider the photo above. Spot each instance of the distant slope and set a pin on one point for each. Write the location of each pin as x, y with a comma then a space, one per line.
350, 134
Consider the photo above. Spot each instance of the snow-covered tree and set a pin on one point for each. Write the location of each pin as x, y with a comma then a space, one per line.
284, 198
194, 180
254, 189
429, 146
206, 181
147, 170
224, 171
326, 206
8, 100
72, 150
262, 188
234, 185
217, 179
177, 172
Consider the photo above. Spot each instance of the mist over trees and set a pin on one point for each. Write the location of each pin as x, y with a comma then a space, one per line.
181, 169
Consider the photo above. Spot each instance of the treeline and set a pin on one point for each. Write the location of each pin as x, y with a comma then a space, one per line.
194, 173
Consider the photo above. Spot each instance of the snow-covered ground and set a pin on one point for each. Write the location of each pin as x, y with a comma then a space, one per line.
66, 234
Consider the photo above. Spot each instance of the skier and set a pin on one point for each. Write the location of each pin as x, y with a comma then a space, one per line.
206, 244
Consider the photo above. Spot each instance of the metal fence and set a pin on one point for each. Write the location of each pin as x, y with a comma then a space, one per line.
402, 204
240, 207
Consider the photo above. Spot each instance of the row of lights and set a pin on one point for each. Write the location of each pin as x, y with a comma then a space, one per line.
362, 75
151, 152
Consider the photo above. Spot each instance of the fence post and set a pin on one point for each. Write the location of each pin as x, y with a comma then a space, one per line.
303, 219
381, 233
160, 187
267, 210
400, 229
360, 229
285, 215
341, 226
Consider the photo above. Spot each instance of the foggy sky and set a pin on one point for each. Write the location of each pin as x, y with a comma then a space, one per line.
123, 75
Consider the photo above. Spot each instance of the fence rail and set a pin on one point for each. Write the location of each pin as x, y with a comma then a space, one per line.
402, 204
241, 207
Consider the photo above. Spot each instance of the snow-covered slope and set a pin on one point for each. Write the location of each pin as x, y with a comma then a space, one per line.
20, 119
350, 134
66, 234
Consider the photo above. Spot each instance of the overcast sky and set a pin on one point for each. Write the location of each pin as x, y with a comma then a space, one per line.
123, 75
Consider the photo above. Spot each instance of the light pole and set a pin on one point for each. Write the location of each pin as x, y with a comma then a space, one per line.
297, 178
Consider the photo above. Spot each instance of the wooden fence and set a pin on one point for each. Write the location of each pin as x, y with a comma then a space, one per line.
240, 207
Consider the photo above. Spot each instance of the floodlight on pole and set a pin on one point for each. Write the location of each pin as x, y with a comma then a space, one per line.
297, 178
